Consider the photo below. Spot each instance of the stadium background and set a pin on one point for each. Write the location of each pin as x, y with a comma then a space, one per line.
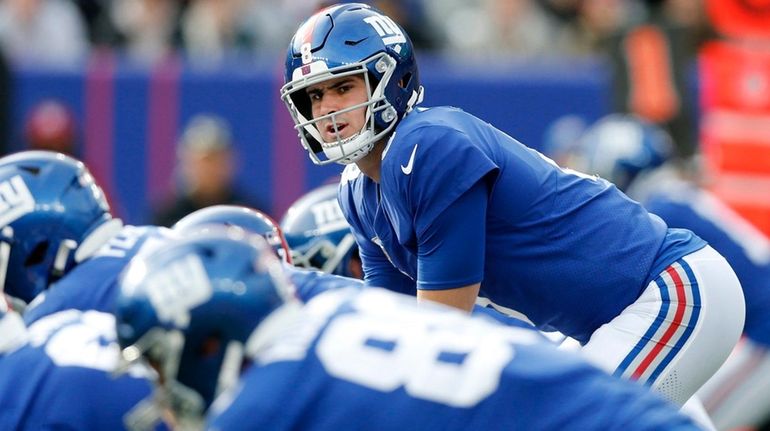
131, 116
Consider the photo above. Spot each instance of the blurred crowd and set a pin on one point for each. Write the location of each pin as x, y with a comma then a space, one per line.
62, 32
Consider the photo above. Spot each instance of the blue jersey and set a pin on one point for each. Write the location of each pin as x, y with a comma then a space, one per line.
310, 283
62, 379
745, 248
567, 250
92, 285
371, 359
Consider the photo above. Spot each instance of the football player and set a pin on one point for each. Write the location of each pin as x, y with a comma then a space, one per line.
319, 236
53, 216
637, 156
349, 358
59, 376
304, 266
442, 201
55, 221
91, 285
249, 219
307, 283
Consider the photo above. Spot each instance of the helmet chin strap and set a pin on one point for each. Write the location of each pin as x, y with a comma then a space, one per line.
230, 370
5, 255
13, 330
62, 256
336, 151
6, 300
415, 98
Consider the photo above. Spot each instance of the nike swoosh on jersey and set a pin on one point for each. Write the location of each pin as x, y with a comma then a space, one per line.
408, 168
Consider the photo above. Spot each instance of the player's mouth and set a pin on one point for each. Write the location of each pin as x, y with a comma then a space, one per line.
333, 134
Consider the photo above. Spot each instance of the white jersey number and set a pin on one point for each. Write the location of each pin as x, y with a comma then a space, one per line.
78, 339
390, 345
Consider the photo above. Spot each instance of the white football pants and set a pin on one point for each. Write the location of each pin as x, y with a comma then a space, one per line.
680, 330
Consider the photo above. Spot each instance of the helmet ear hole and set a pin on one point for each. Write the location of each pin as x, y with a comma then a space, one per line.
314, 144
302, 102
208, 252
34, 170
38, 254
210, 346
405, 80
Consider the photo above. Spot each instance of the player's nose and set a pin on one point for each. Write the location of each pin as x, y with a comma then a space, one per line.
330, 103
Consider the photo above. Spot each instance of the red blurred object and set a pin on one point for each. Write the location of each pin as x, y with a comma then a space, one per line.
740, 18
735, 125
50, 126
736, 76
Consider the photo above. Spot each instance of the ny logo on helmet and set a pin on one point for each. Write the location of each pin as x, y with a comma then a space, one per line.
15, 200
386, 28
177, 289
327, 212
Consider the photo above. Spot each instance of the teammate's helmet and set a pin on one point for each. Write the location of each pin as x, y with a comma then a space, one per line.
345, 40
189, 307
619, 147
249, 219
318, 234
52, 215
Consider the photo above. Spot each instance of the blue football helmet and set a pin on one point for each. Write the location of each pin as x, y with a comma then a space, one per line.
249, 219
619, 147
189, 308
319, 237
346, 40
52, 216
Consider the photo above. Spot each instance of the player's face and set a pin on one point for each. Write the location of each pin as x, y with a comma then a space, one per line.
335, 95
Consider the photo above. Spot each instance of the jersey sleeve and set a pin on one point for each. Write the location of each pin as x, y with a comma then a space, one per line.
451, 250
445, 164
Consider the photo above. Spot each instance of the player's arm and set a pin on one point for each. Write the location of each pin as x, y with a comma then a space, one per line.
379, 271
450, 261
461, 297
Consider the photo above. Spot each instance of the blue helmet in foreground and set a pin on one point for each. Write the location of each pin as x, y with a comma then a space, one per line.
620, 147
245, 218
52, 216
318, 234
190, 307
351, 39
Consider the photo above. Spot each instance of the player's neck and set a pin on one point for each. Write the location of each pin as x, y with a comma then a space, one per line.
370, 164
